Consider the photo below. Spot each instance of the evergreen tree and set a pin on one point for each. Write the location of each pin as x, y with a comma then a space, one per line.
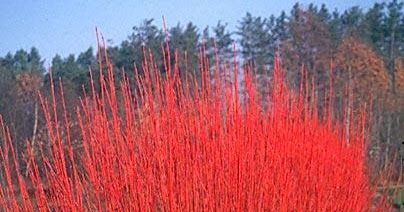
280, 29
86, 59
147, 35
255, 41
393, 36
372, 27
335, 26
309, 44
323, 14
35, 64
224, 42
20, 61
185, 40
130, 51
351, 21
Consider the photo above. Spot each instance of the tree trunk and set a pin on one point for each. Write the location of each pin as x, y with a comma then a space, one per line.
34, 132
349, 105
388, 141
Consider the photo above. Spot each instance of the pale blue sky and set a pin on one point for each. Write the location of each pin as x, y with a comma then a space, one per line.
55, 26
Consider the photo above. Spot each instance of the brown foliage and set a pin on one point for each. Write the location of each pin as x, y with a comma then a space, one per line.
28, 84
359, 68
399, 71
395, 100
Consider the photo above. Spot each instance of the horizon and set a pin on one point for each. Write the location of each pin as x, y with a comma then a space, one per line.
69, 28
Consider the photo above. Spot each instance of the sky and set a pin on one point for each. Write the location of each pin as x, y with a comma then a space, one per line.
64, 27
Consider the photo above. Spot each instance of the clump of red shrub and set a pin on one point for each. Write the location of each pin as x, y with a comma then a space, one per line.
176, 143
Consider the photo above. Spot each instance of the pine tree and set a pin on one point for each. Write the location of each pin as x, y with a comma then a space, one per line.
351, 20
35, 64
336, 29
393, 37
185, 41
147, 35
223, 42
309, 44
372, 27
280, 29
256, 42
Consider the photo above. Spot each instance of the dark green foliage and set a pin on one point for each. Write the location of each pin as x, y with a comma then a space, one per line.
185, 40
372, 26
223, 42
255, 40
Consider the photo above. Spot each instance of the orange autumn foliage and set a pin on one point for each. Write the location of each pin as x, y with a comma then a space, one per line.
358, 67
28, 84
399, 74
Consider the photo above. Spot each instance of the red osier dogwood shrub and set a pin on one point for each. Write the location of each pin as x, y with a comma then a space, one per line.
175, 144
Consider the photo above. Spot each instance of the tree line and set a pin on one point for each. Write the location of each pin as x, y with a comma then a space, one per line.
364, 48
